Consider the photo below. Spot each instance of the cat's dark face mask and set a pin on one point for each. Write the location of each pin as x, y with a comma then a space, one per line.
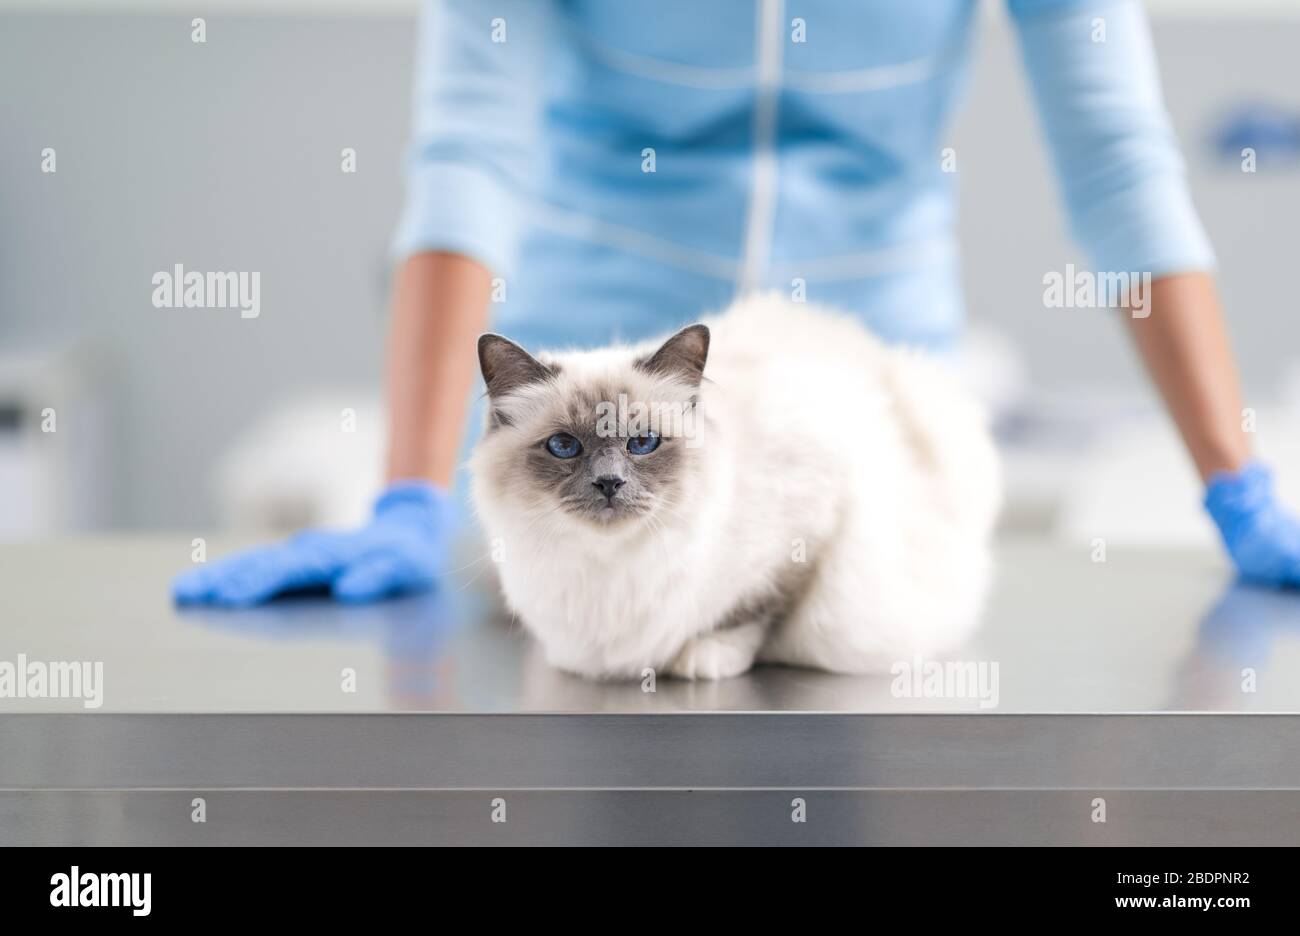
604, 445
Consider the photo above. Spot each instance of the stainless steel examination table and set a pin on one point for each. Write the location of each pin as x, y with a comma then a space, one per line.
1140, 700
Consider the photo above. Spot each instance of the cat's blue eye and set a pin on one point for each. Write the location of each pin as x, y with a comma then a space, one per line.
643, 445
563, 445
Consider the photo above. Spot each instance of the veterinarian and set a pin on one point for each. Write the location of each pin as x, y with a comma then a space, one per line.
590, 170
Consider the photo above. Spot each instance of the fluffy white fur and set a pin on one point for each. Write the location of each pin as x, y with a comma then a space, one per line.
835, 512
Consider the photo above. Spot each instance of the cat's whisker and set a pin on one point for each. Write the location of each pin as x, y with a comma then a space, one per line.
531, 561
661, 534
468, 565
541, 516
477, 575
542, 541
664, 506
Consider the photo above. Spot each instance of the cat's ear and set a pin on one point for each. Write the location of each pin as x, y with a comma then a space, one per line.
682, 356
506, 366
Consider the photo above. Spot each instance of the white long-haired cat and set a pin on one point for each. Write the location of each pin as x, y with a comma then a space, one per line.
774, 484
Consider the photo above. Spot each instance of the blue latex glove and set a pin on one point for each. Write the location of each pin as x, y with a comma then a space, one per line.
1262, 537
400, 550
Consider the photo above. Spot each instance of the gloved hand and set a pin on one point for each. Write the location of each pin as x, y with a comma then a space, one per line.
400, 550
1262, 537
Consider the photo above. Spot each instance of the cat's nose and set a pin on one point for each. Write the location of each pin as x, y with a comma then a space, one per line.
609, 485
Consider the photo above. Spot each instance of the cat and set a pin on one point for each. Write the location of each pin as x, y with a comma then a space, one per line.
771, 485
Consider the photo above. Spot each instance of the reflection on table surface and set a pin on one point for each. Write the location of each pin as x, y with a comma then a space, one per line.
1144, 631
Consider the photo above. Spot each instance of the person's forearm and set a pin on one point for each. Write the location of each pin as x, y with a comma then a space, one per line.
440, 307
1184, 343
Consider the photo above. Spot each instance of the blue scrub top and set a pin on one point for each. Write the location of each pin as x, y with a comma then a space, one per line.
624, 168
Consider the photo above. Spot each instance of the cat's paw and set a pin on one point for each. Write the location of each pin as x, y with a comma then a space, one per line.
717, 655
